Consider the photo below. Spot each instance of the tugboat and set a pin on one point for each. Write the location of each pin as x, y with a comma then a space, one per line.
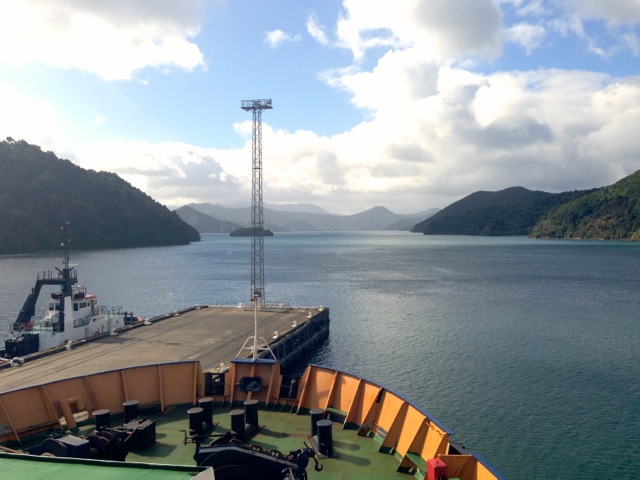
69, 316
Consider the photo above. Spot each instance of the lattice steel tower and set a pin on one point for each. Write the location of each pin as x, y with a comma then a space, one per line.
257, 224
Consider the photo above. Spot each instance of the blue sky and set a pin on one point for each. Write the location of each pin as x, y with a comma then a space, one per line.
411, 104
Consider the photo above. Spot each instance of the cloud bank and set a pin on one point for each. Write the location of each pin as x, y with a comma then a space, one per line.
440, 122
111, 39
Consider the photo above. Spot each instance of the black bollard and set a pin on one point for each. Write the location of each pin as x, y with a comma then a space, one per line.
238, 423
325, 439
251, 412
316, 414
130, 410
206, 403
195, 420
103, 418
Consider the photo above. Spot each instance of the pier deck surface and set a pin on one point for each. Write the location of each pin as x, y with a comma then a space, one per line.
212, 335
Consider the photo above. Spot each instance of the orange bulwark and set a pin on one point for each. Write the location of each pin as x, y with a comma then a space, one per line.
402, 429
366, 417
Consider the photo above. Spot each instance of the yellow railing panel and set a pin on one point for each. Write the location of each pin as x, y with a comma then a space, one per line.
142, 384
317, 388
363, 402
26, 408
390, 407
437, 442
178, 382
109, 391
410, 428
344, 391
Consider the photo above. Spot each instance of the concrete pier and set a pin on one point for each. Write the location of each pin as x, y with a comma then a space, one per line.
213, 335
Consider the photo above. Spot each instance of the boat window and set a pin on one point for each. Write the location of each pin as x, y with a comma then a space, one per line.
51, 306
75, 307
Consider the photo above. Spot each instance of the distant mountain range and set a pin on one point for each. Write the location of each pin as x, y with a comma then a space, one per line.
38, 192
611, 212
208, 218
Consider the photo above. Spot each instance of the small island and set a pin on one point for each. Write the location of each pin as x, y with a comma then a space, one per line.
249, 232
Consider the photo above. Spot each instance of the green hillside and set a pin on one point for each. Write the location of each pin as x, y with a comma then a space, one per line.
513, 211
38, 192
609, 213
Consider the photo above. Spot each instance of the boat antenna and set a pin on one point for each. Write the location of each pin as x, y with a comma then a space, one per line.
64, 244
66, 273
66, 228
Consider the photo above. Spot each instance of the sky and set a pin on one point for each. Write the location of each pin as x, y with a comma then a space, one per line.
411, 104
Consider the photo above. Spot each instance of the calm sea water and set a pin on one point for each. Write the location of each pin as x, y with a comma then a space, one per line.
528, 350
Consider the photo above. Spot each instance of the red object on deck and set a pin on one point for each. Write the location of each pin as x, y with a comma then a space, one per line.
437, 469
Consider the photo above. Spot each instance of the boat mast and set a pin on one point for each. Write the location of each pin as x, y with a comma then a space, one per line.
66, 273
65, 279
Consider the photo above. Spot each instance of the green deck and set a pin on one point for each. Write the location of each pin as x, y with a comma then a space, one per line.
358, 457
26, 467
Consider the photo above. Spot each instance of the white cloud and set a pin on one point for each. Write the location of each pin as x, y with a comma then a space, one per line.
316, 30
606, 28
275, 38
438, 132
467, 27
527, 35
615, 138
173, 173
536, 8
632, 42
111, 39
439, 29
367, 25
32, 119
614, 12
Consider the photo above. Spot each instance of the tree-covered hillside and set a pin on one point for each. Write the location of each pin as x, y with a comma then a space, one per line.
513, 211
38, 192
609, 213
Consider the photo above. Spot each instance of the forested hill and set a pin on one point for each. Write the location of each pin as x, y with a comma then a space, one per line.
609, 213
39, 192
513, 211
